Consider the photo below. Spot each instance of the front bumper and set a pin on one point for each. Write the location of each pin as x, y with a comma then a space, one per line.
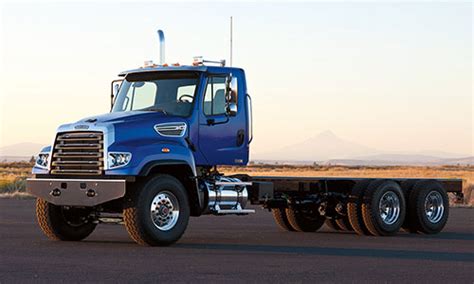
76, 192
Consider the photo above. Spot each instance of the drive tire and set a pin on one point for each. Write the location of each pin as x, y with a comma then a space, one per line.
378, 192
344, 224
332, 224
304, 221
354, 207
279, 216
407, 187
64, 223
148, 206
418, 201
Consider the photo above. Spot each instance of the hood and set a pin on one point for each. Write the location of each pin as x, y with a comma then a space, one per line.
131, 121
122, 116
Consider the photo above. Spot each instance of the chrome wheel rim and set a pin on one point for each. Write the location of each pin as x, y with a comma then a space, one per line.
434, 207
164, 210
389, 207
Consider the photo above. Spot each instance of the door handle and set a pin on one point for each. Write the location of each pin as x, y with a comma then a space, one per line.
240, 137
211, 121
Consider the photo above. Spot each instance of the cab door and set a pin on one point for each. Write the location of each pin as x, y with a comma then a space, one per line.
222, 137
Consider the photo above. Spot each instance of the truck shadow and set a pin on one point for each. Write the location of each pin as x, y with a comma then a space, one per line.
439, 236
334, 251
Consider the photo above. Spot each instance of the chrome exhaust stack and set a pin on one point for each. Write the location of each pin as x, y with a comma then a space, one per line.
161, 36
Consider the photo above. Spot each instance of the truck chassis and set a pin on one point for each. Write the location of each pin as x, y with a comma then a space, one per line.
367, 206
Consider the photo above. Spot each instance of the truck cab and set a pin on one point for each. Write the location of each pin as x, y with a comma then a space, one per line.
197, 115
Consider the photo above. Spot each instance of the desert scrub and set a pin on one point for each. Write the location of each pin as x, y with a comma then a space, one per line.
468, 194
16, 185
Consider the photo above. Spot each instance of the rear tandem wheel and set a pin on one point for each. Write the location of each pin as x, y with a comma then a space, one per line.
304, 220
332, 224
354, 207
428, 207
383, 208
279, 215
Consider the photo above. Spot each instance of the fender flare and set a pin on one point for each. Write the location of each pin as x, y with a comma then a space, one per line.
167, 162
150, 165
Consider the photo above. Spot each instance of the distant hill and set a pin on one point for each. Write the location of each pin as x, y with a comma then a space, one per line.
20, 151
399, 161
323, 146
328, 148
10, 159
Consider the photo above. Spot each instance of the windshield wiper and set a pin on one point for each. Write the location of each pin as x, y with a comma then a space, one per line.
156, 109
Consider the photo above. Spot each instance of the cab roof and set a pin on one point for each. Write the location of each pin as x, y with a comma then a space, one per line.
200, 68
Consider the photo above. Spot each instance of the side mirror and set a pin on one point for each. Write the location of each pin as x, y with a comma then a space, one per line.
232, 109
231, 95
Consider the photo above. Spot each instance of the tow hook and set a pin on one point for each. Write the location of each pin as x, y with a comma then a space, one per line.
55, 192
91, 193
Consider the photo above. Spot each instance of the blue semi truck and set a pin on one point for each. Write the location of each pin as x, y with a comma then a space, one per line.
151, 163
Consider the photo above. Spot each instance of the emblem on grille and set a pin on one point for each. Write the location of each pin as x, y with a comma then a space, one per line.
81, 126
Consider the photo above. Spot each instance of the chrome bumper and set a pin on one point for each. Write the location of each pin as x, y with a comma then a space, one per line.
75, 192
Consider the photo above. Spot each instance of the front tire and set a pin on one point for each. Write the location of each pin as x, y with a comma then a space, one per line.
156, 212
64, 223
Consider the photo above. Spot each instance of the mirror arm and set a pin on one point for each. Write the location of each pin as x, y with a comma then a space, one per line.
111, 101
112, 96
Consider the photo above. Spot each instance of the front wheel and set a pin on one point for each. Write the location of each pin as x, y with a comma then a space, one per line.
157, 212
64, 223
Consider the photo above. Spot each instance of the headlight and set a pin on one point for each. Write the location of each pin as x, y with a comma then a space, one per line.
42, 160
117, 159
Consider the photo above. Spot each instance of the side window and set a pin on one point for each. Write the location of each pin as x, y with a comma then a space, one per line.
214, 99
143, 95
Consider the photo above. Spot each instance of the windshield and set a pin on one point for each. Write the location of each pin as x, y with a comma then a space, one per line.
170, 93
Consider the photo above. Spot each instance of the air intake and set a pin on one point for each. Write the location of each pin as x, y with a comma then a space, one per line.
171, 129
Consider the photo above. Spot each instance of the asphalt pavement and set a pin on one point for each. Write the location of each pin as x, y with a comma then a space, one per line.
235, 249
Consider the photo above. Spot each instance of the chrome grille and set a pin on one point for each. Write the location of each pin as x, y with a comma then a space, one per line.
78, 153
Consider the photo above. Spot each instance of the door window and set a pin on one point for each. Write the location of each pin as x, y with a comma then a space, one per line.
214, 100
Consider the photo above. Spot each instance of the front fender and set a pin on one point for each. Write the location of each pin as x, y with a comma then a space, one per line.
146, 155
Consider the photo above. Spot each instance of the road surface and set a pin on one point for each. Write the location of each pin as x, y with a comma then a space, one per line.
234, 249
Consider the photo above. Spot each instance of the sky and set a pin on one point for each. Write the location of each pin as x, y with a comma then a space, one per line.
393, 76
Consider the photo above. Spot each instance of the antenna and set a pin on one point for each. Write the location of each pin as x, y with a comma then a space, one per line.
230, 59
